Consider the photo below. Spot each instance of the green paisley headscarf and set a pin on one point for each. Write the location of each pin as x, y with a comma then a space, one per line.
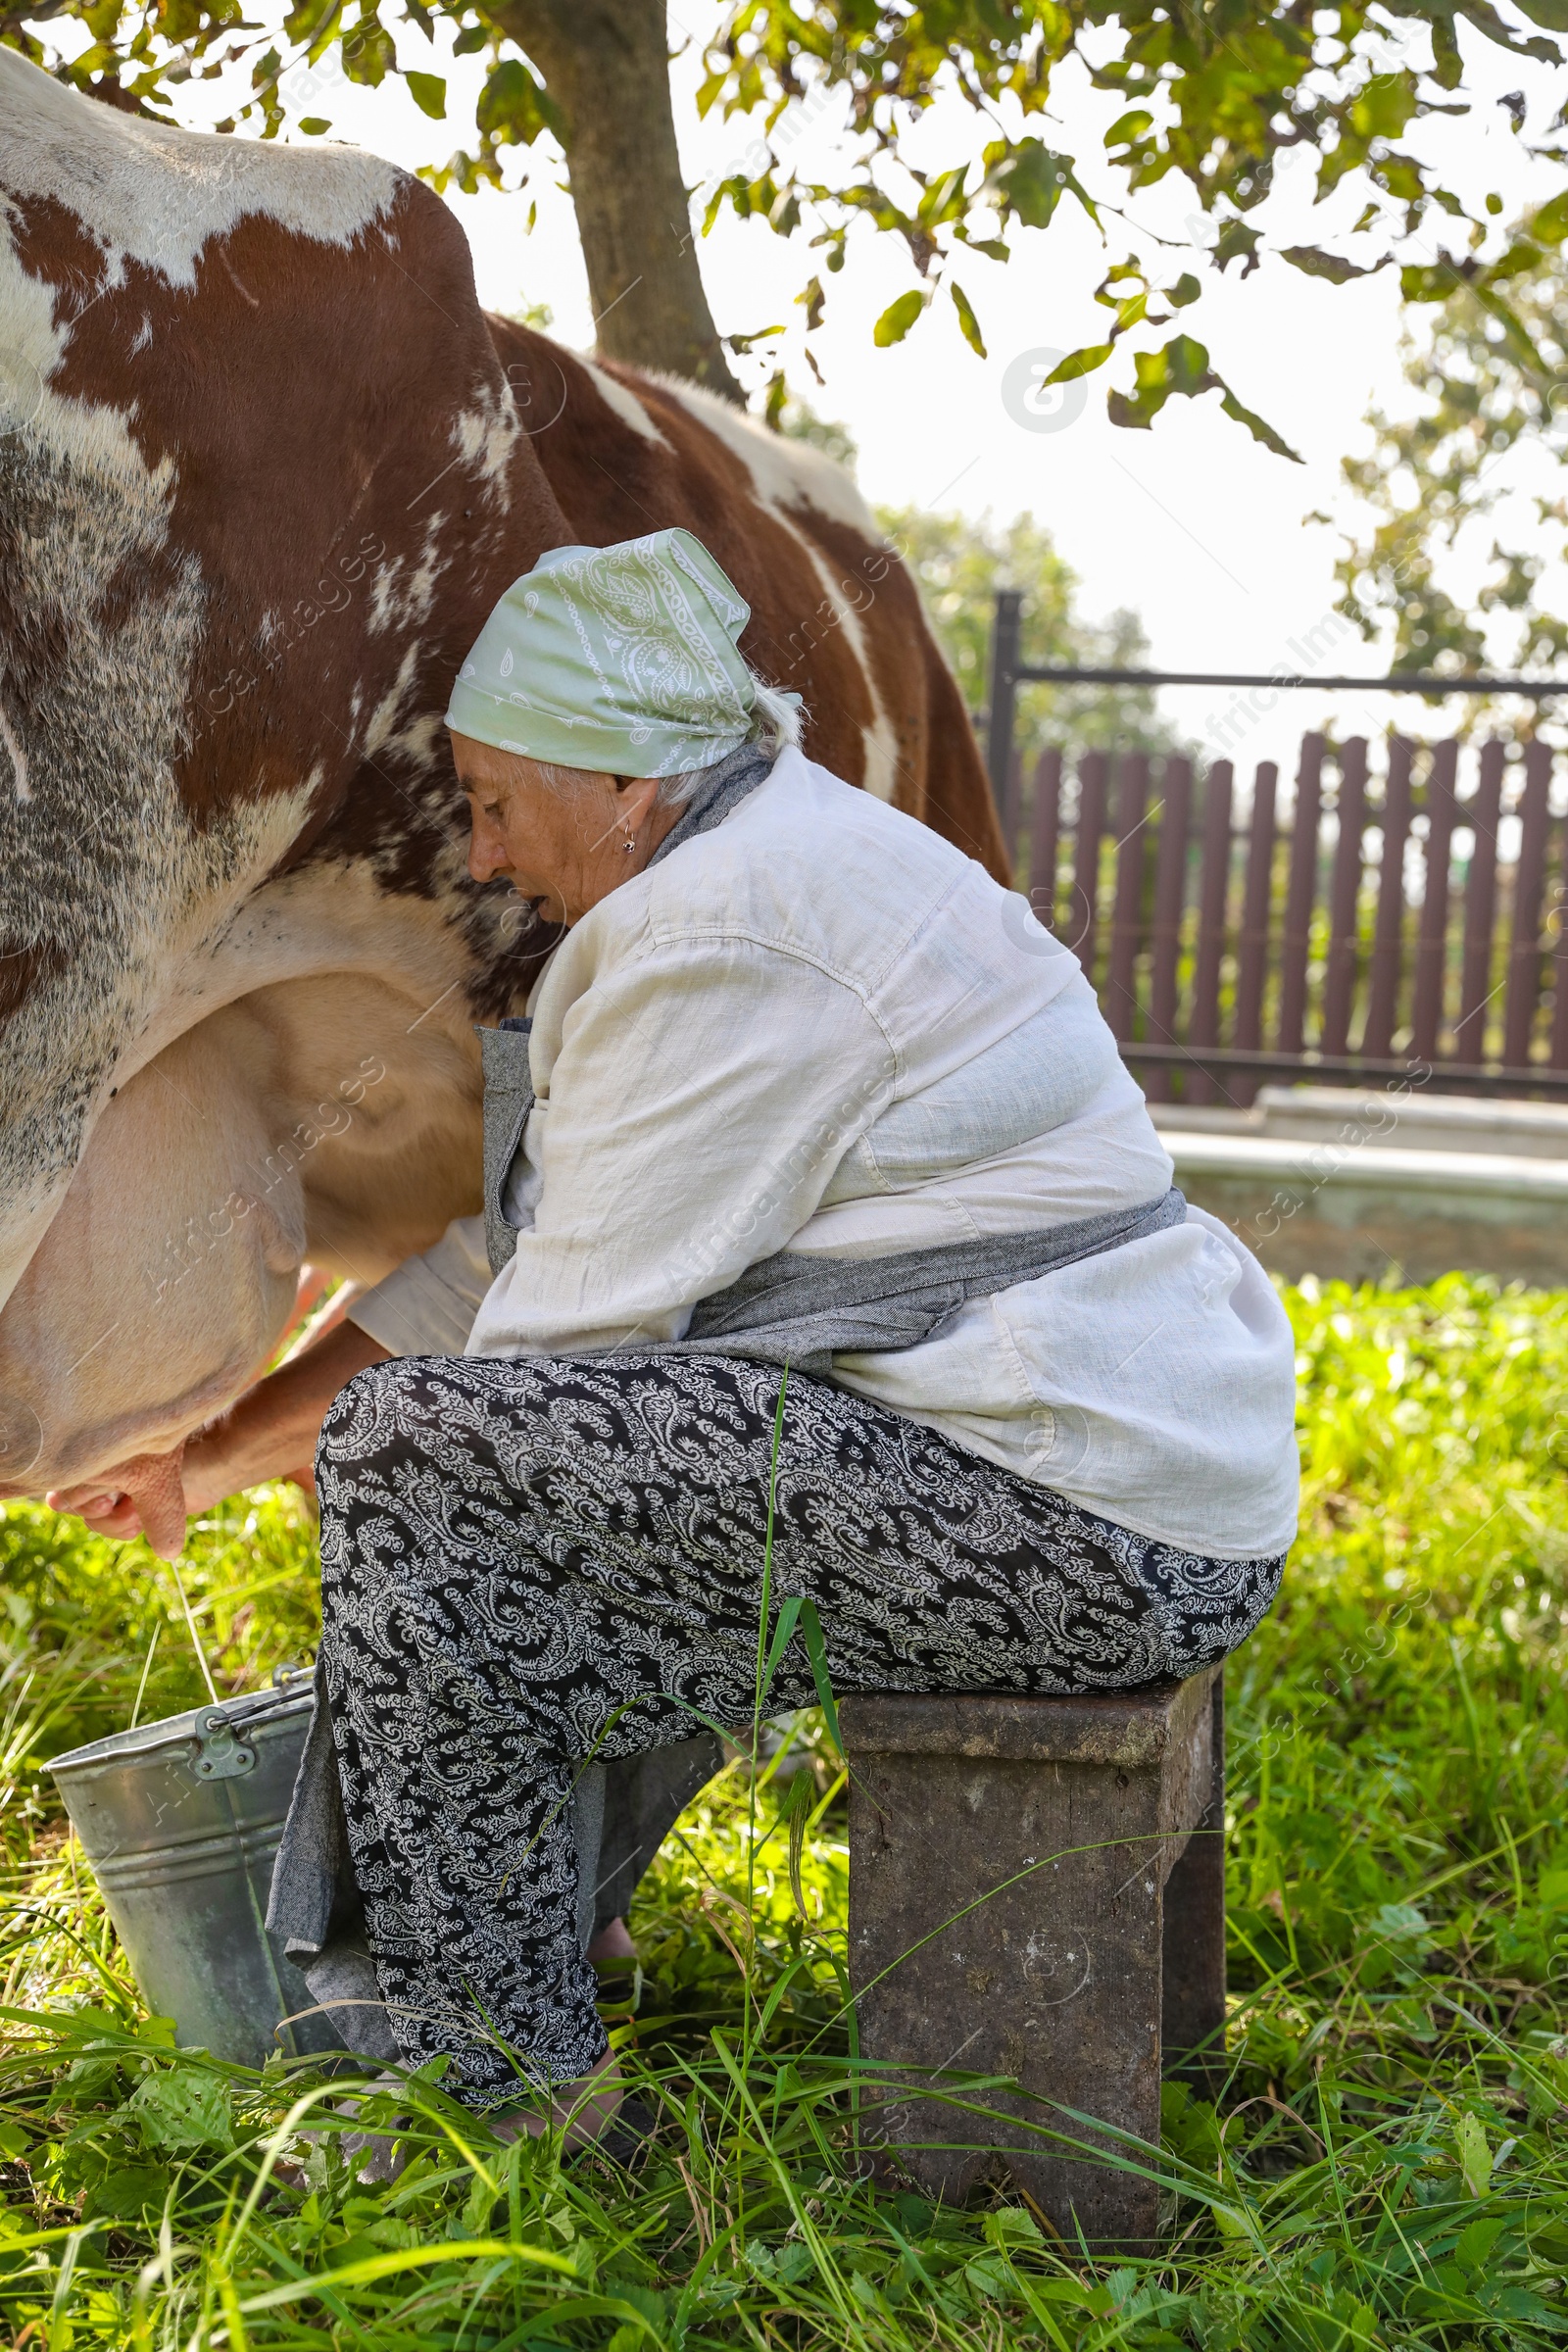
620, 659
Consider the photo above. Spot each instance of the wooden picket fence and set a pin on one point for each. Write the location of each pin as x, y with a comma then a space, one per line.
1407, 919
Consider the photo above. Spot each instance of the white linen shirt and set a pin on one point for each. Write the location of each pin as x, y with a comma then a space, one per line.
817, 1026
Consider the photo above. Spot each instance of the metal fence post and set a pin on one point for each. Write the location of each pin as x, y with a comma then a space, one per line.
1005, 630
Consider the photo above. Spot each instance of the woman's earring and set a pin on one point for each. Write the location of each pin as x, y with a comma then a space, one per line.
629, 844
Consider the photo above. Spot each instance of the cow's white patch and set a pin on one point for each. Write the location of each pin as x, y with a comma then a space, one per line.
405, 591
486, 438
423, 744
419, 594
383, 721
784, 472
89, 857
152, 194
20, 781
90, 439
881, 777
383, 596
625, 403
881, 743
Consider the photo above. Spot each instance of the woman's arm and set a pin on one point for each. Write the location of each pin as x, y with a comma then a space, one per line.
271, 1431
425, 1307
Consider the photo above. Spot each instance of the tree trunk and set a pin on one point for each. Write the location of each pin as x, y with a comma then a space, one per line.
606, 63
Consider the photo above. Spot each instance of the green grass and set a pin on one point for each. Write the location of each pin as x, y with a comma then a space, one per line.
1388, 2166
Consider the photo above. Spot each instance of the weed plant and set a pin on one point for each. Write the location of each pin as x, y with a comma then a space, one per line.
1387, 2163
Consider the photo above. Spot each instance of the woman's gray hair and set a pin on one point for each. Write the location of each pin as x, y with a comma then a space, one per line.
775, 726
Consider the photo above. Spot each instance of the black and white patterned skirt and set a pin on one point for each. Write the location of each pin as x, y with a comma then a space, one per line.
528, 1563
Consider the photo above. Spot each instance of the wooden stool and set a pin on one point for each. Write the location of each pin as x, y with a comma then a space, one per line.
1037, 1889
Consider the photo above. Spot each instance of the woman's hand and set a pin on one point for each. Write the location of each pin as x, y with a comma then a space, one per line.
271, 1431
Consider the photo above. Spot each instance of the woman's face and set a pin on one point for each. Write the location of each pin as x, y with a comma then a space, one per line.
562, 847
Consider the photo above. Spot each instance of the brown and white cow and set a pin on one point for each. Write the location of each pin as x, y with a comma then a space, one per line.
265, 466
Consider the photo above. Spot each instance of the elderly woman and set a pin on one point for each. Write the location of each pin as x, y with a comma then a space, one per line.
803, 1088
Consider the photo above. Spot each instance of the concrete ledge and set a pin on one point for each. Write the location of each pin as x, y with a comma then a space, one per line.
1406, 1117
1360, 1212
1416, 1119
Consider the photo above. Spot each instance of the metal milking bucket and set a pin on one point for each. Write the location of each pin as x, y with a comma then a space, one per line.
181, 1820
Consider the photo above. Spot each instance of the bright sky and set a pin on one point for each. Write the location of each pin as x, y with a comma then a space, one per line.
1193, 525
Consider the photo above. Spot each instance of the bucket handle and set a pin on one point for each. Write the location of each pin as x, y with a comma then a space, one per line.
220, 1757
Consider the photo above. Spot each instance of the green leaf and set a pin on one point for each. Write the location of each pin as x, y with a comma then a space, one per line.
307, 21
1332, 266
1474, 2153
898, 318
1517, 261
1010, 2225
1522, 2304
1428, 281
1448, 59
783, 1634
1028, 178
1182, 369
429, 94
1235, 242
1516, 334
314, 125
966, 319
181, 2108
136, 2193
760, 334
942, 199
319, 2283
1258, 427
795, 1813
1385, 106
989, 2276
1475, 2244
1551, 224
1130, 126
368, 55
811, 300
512, 107
1082, 361
1185, 289
816, 1651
